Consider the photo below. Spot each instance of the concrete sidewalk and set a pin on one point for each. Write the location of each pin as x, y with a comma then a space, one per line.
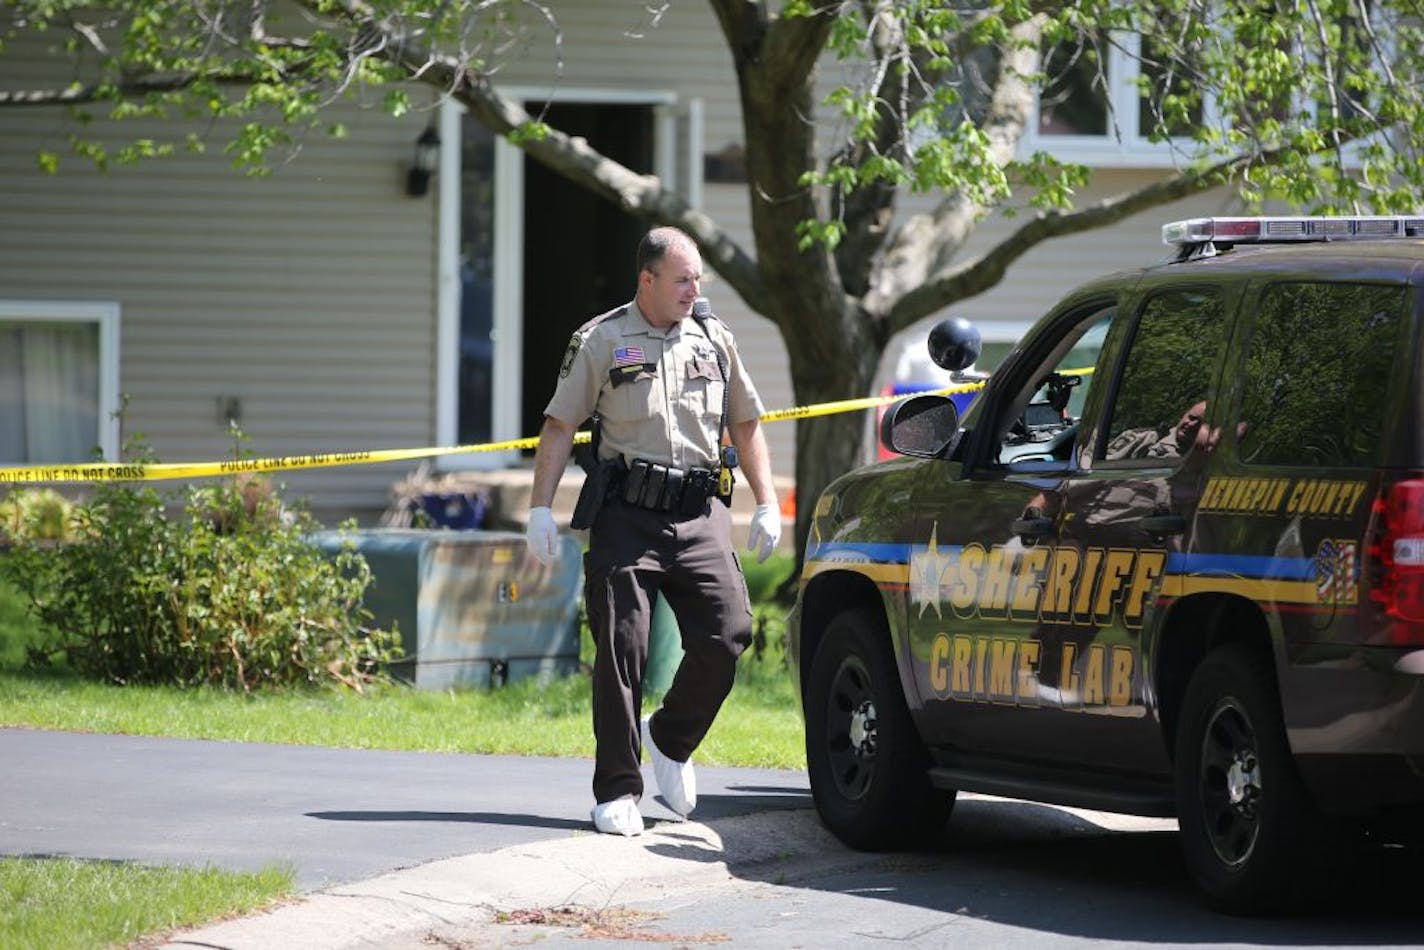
1013, 876
498, 898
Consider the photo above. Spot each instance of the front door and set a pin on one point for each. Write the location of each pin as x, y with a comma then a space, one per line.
580, 250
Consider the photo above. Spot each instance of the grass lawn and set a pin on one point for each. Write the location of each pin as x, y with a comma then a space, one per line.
62, 904
760, 726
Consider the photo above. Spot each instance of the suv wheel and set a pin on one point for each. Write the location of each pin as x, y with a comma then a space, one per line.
869, 771
1252, 839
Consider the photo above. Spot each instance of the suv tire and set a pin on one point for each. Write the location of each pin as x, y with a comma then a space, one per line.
869, 770
1253, 840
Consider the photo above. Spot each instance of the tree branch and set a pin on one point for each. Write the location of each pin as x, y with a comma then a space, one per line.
866, 210
641, 195
976, 276
795, 44
80, 95
743, 23
774, 59
927, 243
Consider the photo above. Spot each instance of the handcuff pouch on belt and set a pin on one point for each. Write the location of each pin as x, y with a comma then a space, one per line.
660, 487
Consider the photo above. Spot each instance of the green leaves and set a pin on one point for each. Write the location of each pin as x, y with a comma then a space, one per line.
230, 593
1055, 183
397, 102
1322, 103
270, 67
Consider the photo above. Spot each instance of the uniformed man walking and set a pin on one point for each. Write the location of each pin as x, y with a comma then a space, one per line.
665, 388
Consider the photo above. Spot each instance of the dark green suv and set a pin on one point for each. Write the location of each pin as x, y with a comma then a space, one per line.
1170, 562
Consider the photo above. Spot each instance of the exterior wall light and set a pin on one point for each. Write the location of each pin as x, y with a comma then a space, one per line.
423, 162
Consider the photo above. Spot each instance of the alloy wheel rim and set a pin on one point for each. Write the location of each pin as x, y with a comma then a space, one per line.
1230, 783
852, 729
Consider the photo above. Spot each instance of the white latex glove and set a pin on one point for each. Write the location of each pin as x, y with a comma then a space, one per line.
542, 536
766, 531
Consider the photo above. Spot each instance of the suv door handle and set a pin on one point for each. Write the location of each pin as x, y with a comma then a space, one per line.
1164, 523
1032, 525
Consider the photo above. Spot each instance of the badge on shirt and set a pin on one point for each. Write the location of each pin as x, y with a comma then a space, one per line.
570, 354
704, 369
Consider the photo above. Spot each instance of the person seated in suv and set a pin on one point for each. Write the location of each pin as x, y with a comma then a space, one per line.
1162, 442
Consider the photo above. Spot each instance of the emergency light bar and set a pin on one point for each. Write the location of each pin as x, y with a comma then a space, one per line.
1273, 230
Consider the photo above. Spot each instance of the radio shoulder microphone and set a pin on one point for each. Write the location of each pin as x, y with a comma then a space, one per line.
701, 308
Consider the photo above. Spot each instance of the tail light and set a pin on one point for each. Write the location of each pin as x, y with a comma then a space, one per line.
1397, 550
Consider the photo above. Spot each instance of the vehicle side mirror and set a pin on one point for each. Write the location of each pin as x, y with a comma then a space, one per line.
954, 344
922, 426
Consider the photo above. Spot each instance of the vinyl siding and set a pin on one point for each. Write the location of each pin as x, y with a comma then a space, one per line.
307, 296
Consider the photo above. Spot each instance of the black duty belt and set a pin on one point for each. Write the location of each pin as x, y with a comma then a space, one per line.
664, 488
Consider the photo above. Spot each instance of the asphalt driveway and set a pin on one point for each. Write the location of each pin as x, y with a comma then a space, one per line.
335, 815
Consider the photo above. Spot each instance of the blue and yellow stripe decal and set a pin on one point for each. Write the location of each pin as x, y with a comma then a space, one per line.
1081, 585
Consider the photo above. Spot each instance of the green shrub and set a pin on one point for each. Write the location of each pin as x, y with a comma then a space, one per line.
34, 514
228, 593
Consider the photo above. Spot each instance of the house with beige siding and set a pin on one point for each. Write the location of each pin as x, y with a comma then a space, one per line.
326, 308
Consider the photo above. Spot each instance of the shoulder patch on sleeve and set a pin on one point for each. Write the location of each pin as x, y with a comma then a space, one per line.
575, 342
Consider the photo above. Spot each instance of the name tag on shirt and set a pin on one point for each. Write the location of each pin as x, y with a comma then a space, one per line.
632, 372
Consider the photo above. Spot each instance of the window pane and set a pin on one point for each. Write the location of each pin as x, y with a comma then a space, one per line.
991, 354
49, 392
1317, 373
1258, 101
1074, 98
1170, 104
1352, 57
1166, 377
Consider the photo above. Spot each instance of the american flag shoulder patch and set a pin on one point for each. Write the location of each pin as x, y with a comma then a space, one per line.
628, 356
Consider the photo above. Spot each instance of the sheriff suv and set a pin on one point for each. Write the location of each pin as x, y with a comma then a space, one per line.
1170, 562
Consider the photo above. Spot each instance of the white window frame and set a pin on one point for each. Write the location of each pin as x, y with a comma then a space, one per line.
509, 250
104, 315
1124, 145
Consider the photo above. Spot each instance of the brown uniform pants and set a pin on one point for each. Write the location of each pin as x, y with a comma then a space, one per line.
633, 554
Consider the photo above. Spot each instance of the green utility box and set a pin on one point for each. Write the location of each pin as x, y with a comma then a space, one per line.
664, 648
472, 607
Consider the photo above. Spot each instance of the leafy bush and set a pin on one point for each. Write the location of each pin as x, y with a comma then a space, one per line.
39, 514
228, 593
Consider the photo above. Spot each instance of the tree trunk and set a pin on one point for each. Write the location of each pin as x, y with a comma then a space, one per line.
828, 446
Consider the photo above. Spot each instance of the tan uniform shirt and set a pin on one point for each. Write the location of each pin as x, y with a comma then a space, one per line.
658, 392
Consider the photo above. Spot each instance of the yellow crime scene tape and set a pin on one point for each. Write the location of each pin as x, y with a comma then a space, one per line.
159, 471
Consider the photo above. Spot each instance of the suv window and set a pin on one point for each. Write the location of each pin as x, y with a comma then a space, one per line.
1039, 426
1317, 373
1161, 399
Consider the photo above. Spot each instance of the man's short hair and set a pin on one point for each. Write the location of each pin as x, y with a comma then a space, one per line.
657, 242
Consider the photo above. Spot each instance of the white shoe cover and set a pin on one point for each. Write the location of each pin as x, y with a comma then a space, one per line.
676, 780
618, 817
